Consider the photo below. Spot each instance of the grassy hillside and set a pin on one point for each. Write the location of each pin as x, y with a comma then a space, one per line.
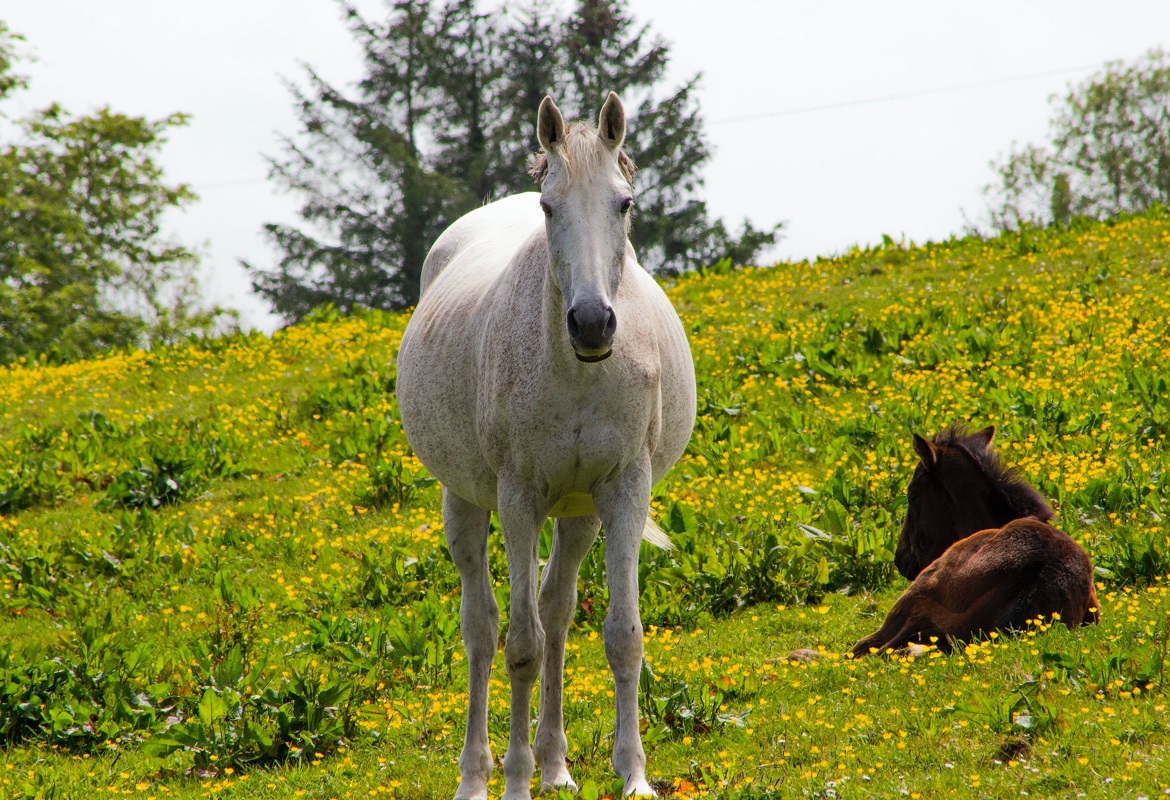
221, 570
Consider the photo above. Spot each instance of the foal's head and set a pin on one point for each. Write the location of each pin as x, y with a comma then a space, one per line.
959, 487
586, 192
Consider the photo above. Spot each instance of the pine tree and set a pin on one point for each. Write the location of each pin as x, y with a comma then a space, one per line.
605, 51
375, 205
532, 65
464, 69
443, 121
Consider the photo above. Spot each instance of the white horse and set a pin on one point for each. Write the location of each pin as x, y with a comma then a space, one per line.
545, 373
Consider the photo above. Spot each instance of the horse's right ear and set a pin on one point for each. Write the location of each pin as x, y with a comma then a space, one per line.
925, 451
985, 436
550, 126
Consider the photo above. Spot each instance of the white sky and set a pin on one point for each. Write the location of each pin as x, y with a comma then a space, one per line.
838, 170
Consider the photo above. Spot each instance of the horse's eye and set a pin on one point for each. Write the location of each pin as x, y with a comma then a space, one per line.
627, 204
546, 208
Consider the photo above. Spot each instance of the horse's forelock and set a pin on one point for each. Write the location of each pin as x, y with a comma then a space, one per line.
626, 165
583, 149
538, 166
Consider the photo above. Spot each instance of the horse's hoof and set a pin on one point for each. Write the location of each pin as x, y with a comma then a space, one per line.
559, 783
639, 788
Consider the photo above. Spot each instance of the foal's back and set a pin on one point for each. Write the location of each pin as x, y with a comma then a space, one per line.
997, 579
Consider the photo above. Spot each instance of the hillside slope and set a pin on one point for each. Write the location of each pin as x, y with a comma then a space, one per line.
223, 556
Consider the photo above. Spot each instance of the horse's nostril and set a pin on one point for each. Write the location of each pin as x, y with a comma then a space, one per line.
610, 323
574, 327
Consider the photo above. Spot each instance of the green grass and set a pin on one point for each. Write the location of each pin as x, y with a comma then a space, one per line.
221, 570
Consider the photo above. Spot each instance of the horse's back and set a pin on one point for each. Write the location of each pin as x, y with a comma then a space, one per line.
994, 579
482, 242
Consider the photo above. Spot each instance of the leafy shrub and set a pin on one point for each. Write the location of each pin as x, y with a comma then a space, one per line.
175, 469
361, 384
673, 709
47, 574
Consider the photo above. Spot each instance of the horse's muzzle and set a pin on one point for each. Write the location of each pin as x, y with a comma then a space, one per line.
906, 563
591, 325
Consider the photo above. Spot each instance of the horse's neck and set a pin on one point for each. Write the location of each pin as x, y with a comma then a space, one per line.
553, 315
984, 508
528, 309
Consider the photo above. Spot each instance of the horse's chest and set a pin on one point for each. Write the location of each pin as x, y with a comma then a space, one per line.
572, 438
595, 429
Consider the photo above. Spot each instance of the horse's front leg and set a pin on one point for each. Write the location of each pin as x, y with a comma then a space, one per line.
623, 504
521, 516
467, 535
558, 602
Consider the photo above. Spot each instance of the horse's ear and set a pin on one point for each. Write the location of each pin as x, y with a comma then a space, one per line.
611, 125
550, 126
985, 436
925, 450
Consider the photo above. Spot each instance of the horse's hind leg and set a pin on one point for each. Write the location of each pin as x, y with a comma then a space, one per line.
467, 535
910, 618
897, 621
558, 602
623, 505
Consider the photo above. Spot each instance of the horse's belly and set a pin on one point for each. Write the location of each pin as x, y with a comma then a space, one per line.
574, 504
566, 459
436, 400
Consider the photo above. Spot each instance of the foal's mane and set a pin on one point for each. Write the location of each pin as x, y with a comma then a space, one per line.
582, 148
1020, 495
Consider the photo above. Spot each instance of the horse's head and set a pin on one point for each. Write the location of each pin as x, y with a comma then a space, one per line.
586, 194
959, 487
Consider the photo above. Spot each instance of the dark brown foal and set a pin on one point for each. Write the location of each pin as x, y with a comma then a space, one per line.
977, 544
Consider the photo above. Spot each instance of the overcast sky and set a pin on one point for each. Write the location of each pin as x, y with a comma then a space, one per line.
845, 120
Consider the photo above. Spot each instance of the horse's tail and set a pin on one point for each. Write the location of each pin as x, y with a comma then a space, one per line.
654, 535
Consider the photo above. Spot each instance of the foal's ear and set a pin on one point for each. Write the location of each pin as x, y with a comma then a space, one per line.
550, 126
985, 436
925, 450
611, 125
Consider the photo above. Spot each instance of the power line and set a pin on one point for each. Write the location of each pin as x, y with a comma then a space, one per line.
789, 112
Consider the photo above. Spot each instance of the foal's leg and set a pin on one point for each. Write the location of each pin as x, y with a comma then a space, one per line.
558, 602
623, 505
521, 518
467, 534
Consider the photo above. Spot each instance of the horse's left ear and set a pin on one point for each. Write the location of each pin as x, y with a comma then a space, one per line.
611, 125
985, 436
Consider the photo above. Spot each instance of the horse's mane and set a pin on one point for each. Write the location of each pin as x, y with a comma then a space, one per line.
1021, 496
582, 148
